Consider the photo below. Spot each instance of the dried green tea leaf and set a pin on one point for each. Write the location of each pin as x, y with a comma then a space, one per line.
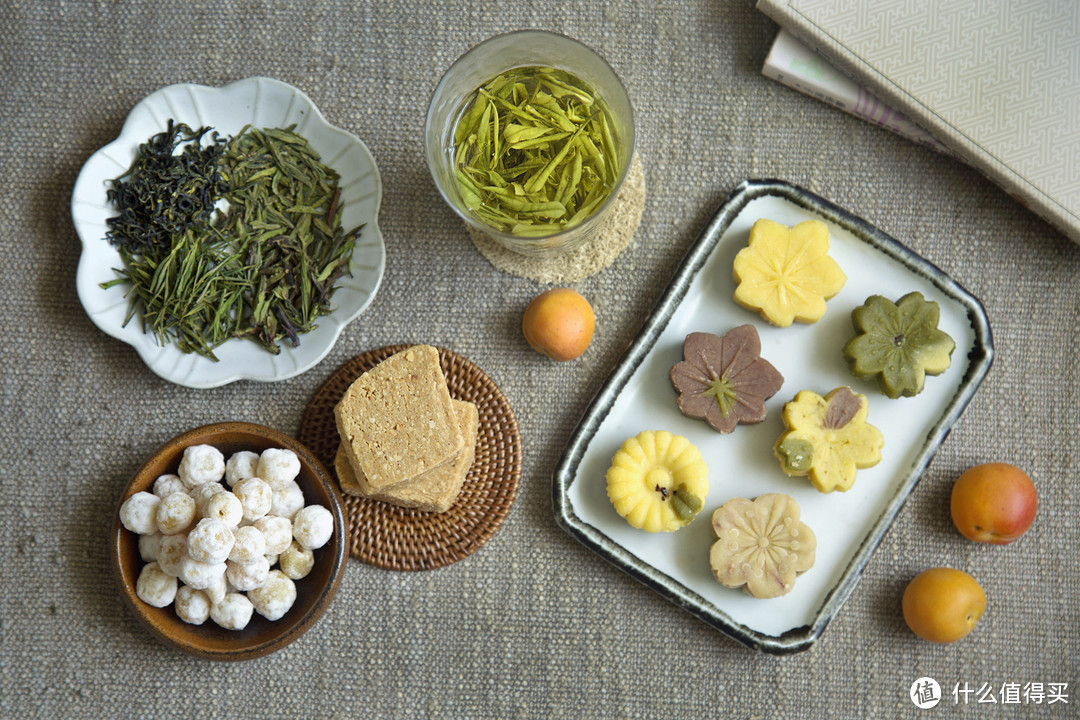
206, 276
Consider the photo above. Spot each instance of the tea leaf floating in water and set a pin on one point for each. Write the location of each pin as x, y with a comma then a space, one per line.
535, 152
265, 268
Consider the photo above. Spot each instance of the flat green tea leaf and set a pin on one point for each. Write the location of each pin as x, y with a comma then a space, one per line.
248, 271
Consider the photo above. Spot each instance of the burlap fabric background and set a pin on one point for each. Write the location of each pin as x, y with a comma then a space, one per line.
534, 625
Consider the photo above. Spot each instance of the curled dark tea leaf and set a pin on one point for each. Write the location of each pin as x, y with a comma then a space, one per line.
264, 269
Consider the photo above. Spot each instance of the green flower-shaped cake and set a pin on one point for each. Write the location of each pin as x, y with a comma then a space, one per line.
898, 344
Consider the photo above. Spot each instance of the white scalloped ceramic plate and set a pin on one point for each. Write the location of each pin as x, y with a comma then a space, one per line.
258, 101
849, 526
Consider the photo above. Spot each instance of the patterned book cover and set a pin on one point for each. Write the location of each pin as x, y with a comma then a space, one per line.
793, 64
996, 82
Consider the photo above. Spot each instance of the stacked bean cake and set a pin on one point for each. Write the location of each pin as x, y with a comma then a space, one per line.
404, 440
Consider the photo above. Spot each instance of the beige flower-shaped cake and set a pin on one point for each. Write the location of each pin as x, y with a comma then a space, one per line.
828, 439
786, 273
761, 545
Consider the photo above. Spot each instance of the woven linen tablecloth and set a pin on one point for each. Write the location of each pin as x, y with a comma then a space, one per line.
534, 624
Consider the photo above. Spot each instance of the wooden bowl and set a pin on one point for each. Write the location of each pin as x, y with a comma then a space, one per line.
313, 593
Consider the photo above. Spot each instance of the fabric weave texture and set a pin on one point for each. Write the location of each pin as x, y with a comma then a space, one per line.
534, 624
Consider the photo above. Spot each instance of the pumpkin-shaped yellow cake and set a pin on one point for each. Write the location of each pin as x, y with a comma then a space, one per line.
658, 481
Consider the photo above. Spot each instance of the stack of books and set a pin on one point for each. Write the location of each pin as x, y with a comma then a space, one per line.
996, 85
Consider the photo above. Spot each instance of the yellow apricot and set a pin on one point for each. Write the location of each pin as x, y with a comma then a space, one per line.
942, 604
559, 323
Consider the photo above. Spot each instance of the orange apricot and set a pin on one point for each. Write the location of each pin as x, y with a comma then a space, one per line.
942, 604
993, 503
559, 323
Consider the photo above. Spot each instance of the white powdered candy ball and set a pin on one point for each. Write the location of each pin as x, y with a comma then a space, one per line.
274, 597
277, 531
148, 546
139, 513
218, 589
155, 587
200, 575
255, 496
175, 513
272, 559
247, 576
233, 612
287, 500
210, 541
202, 493
172, 550
226, 507
241, 466
278, 466
166, 485
201, 464
192, 606
296, 562
313, 526
249, 544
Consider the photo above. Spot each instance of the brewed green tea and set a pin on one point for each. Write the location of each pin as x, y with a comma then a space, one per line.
534, 151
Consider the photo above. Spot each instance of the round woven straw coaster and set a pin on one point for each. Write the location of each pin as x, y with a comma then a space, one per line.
611, 239
398, 538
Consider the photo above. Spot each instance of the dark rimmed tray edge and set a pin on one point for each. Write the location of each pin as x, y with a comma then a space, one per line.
980, 357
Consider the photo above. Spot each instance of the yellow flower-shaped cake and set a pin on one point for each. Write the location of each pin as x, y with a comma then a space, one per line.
827, 439
761, 546
657, 481
786, 274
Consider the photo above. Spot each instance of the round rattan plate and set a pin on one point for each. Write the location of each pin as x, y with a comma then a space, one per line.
398, 538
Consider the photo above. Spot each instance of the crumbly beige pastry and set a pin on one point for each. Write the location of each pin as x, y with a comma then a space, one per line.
396, 421
434, 491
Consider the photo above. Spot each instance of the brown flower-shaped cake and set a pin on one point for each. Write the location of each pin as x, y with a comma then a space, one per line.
724, 380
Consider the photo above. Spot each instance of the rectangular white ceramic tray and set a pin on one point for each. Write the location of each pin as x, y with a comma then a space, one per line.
849, 526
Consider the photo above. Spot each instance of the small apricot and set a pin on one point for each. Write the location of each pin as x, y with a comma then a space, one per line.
559, 323
993, 503
943, 604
